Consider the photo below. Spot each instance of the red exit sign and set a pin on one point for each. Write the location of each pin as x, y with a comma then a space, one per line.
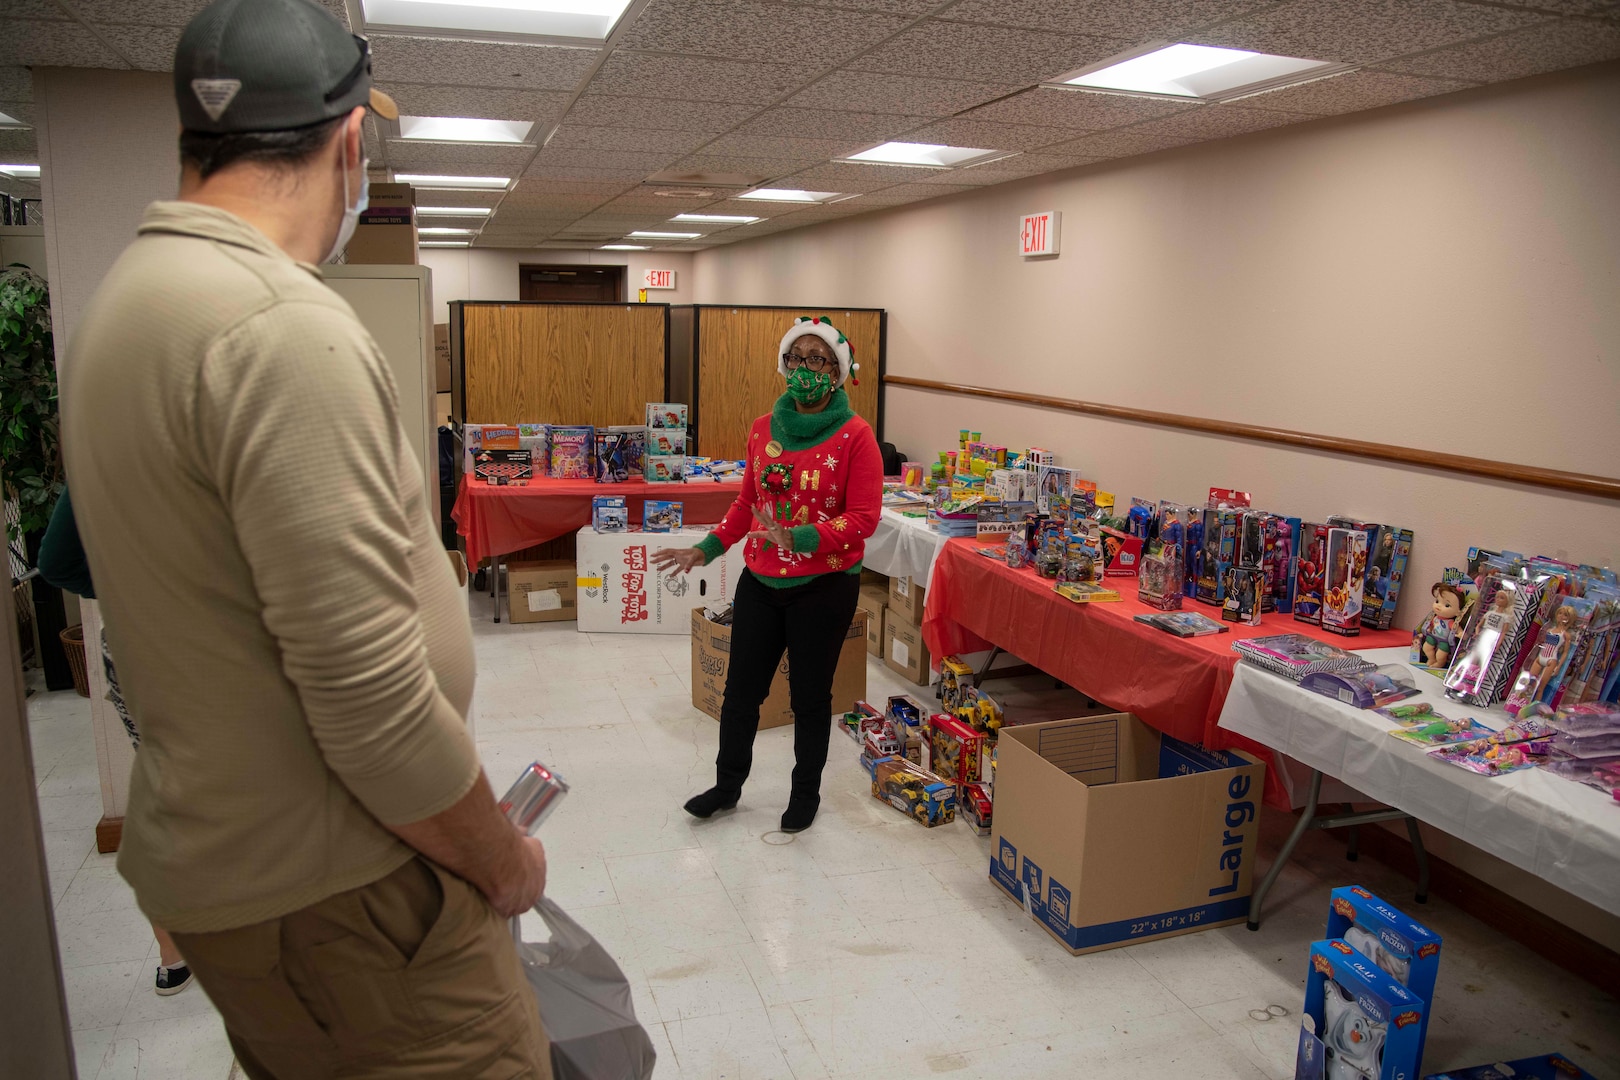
658, 279
1038, 235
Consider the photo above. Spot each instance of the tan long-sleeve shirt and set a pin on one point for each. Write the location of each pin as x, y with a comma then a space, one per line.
288, 632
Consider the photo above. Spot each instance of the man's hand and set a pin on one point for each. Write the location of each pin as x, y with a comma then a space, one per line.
678, 560
774, 531
524, 880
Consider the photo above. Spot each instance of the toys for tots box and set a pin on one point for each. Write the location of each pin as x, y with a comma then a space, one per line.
1111, 833
711, 657
619, 591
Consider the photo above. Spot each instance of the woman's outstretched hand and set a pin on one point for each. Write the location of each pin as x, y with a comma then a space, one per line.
677, 560
774, 531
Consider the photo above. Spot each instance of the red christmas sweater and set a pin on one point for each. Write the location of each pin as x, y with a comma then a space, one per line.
819, 473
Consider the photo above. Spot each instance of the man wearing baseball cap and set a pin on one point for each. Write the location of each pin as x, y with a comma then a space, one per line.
307, 815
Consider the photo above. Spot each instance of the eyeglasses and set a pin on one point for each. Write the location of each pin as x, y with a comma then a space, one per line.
793, 361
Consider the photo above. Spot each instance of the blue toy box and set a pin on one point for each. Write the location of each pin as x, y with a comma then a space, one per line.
660, 516
609, 513
1359, 1023
1394, 941
1544, 1067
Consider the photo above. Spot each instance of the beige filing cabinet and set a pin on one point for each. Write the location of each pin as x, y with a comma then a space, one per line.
396, 305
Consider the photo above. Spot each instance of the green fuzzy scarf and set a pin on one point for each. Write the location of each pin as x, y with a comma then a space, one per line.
800, 431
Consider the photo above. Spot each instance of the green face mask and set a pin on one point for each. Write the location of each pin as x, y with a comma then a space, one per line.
808, 387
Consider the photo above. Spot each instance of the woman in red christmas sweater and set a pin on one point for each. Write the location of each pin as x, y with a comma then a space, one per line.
811, 495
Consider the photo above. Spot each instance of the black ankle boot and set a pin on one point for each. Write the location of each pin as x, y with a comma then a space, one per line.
711, 802
800, 812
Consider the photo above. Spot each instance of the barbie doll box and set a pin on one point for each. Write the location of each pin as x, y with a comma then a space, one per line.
1390, 938
1108, 833
1358, 1021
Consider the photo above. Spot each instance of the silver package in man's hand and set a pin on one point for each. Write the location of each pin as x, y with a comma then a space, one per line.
533, 797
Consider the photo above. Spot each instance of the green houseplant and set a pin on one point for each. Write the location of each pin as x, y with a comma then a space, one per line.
30, 459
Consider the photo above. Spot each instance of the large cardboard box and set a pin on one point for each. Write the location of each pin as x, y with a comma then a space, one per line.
386, 233
620, 592
906, 596
441, 356
540, 591
904, 649
711, 658
873, 601
1112, 834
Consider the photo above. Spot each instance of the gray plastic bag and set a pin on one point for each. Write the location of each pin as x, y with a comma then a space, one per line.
585, 1003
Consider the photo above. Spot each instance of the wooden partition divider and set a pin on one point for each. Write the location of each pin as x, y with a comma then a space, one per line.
534, 363
735, 378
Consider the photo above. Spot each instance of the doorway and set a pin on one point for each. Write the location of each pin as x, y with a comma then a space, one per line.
576, 284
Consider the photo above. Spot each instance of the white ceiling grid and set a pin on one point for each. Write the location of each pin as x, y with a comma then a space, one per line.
777, 90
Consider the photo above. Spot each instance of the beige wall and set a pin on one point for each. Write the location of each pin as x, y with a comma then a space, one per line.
1442, 275
492, 273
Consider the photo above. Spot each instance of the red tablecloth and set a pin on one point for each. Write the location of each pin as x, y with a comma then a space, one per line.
502, 519
1176, 685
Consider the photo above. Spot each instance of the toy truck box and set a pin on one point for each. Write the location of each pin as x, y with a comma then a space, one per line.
954, 749
1358, 1023
1393, 940
920, 795
1110, 833
974, 801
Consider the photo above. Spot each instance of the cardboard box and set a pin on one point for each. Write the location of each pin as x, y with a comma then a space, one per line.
1112, 834
620, 592
540, 591
711, 657
1357, 1020
904, 650
873, 601
441, 356
906, 599
386, 233
1388, 937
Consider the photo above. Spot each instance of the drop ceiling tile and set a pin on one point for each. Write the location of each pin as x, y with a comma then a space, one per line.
429, 197
986, 53
1117, 144
547, 173
42, 43
148, 48
657, 113
854, 176
18, 110
636, 140
413, 156
479, 63
691, 78
1013, 168
760, 168
16, 142
1548, 47
20, 189
461, 168
606, 189
829, 124
31, 9
989, 136
16, 84
1135, 20
371, 142
1083, 110
1604, 8
1364, 32
540, 106
474, 222
909, 193
780, 148
1217, 122
865, 91
1352, 92
746, 30
630, 161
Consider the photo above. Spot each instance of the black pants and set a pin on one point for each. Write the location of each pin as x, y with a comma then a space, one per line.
810, 621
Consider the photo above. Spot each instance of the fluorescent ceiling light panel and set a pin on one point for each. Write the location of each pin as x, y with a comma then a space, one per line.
452, 211
590, 19
1201, 72
643, 234
798, 195
624, 247
718, 219
921, 155
444, 243
464, 129
444, 230
21, 172
482, 183
7, 120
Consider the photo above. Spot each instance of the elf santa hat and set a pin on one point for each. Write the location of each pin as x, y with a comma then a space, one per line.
822, 328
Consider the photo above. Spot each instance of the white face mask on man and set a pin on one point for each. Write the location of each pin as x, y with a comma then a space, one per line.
351, 214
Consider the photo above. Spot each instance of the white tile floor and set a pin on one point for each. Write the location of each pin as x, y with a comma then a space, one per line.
868, 946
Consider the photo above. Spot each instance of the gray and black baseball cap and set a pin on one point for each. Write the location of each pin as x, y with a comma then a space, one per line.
270, 65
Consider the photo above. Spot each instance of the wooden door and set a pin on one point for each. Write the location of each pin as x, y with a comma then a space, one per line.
571, 284
736, 368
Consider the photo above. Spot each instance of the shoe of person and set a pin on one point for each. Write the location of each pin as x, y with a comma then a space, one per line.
799, 814
711, 802
172, 980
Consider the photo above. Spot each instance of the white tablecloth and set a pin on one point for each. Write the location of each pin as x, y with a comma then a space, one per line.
903, 547
1564, 832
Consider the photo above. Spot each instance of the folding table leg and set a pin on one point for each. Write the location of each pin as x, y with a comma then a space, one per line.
495, 589
1352, 844
984, 671
1306, 816
1421, 854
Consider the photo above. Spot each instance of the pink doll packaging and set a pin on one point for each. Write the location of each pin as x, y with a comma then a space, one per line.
1543, 670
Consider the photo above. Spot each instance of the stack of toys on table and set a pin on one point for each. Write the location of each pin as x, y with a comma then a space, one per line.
655, 451
611, 514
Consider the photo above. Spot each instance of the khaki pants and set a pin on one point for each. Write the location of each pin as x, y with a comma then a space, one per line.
413, 975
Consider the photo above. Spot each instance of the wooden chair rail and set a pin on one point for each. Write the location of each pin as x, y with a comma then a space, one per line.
1607, 487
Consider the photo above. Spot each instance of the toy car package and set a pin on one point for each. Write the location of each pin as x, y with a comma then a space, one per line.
660, 516
920, 795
